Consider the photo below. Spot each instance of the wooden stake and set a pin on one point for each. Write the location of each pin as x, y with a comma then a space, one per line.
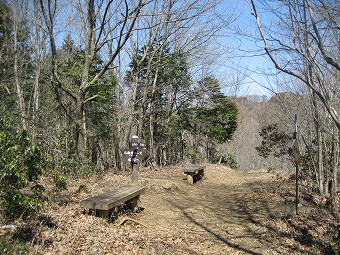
135, 168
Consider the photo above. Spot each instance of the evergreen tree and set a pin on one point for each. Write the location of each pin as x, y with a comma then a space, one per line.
97, 103
215, 115
163, 78
219, 121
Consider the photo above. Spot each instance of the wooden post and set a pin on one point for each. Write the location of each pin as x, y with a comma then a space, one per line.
296, 188
135, 168
296, 154
134, 155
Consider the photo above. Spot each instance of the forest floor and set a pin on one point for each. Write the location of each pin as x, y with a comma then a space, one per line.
228, 212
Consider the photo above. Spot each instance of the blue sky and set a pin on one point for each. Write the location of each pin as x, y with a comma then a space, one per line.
247, 54
241, 57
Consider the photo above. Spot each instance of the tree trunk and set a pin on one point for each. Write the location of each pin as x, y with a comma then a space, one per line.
35, 108
335, 163
115, 129
320, 168
39, 49
89, 56
20, 94
80, 129
153, 151
131, 110
334, 189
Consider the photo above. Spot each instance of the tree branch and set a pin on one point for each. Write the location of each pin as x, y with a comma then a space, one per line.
330, 109
319, 40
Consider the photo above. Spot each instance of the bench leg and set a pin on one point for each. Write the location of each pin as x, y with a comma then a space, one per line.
190, 178
132, 204
103, 213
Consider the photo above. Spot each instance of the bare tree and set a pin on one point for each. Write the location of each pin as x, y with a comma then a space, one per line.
103, 24
17, 68
180, 27
304, 44
309, 51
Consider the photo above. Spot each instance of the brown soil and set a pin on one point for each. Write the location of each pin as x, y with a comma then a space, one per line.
227, 212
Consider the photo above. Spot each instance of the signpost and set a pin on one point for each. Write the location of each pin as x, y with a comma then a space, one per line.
296, 158
134, 155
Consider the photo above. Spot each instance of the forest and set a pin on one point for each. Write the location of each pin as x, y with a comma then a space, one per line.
79, 78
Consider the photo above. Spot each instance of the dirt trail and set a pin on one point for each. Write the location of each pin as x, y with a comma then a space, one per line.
217, 215
228, 212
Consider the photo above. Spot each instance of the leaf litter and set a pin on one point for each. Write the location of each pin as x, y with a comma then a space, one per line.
228, 212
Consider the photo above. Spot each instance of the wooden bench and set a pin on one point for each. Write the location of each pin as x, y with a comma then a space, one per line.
104, 204
194, 173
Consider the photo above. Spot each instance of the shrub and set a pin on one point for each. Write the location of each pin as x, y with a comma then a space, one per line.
10, 247
21, 165
331, 244
75, 167
194, 155
229, 160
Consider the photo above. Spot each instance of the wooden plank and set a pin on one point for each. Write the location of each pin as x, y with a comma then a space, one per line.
108, 200
193, 169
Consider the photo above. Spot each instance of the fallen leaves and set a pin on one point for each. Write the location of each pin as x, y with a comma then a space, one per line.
226, 213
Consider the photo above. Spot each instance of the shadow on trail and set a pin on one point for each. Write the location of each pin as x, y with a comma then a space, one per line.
219, 237
216, 207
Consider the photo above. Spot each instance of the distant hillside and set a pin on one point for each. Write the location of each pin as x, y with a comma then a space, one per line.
254, 113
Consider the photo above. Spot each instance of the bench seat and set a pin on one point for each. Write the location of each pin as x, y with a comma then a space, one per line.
194, 173
105, 203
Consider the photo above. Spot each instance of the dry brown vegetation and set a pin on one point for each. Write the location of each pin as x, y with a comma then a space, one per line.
228, 212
